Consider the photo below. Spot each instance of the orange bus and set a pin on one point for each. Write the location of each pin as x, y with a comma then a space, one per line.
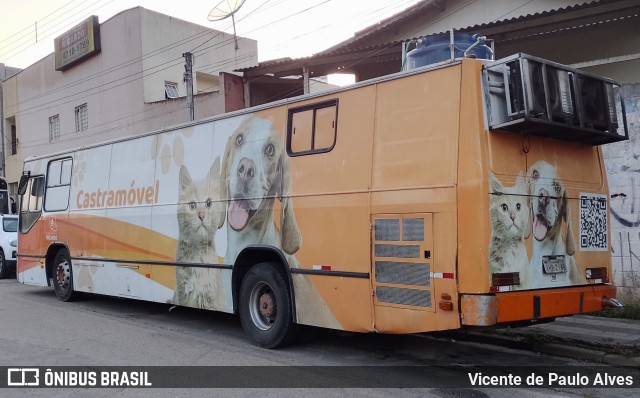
465, 193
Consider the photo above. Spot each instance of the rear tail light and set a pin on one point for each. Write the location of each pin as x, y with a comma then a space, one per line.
598, 273
504, 279
446, 304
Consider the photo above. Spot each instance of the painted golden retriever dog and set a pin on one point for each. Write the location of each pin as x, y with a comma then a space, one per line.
255, 173
550, 210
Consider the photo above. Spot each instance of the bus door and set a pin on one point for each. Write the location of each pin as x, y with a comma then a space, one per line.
30, 247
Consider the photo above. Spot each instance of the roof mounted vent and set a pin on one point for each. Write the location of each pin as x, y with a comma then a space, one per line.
530, 95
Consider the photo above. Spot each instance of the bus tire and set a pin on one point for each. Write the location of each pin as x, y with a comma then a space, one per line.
266, 313
4, 267
63, 277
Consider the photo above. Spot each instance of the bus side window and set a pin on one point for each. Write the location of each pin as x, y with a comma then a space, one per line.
58, 185
312, 128
31, 203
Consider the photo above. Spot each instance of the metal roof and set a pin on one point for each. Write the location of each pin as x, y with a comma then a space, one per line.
358, 51
369, 50
416, 10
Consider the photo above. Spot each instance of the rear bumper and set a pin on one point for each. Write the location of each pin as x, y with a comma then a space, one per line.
491, 309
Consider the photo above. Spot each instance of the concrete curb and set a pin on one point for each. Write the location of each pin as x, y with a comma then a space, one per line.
519, 342
587, 354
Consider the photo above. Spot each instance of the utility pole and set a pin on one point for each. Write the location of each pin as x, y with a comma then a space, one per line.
188, 79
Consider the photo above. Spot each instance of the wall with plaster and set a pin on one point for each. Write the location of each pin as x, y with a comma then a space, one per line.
623, 171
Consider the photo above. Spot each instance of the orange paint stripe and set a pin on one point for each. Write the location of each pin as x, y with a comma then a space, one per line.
113, 240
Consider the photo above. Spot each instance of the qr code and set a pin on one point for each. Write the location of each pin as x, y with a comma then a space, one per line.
593, 222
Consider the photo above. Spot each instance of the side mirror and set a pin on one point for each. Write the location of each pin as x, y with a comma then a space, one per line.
24, 180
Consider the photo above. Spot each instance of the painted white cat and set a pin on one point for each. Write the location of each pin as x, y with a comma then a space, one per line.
200, 214
510, 222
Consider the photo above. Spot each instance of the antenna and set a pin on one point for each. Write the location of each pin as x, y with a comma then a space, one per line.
225, 9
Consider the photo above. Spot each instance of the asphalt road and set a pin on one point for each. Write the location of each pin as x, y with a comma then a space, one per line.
38, 330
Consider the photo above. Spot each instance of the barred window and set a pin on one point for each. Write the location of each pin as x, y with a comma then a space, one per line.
82, 120
54, 128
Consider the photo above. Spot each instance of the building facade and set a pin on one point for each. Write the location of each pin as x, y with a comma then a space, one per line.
7, 136
133, 83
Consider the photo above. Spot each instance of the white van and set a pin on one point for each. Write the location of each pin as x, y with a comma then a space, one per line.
8, 245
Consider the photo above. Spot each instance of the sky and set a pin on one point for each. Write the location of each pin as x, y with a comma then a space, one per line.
283, 28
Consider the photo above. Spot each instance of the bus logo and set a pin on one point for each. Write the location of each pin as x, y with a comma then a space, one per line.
23, 377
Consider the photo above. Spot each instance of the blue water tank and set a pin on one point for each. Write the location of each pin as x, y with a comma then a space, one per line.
435, 48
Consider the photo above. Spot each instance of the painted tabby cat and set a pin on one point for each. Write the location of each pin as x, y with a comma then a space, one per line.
200, 215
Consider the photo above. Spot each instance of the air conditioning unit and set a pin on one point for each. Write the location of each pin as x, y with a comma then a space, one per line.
531, 95
597, 99
548, 93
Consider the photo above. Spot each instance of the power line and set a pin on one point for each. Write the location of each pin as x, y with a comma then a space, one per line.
83, 92
80, 136
107, 109
30, 26
172, 65
160, 107
157, 51
128, 63
107, 71
39, 108
15, 50
415, 32
132, 61
372, 13
125, 64
126, 82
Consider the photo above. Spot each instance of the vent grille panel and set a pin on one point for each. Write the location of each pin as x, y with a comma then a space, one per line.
388, 229
398, 251
394, 295
413, 229
401, 273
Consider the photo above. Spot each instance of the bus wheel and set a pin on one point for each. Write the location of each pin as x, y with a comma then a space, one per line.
265, 307
4, 268
62, 277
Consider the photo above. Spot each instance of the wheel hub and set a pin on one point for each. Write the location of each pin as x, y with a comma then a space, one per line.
266, 305
61, 275
263, 307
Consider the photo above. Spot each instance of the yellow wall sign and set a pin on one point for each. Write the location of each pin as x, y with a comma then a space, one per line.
78, 43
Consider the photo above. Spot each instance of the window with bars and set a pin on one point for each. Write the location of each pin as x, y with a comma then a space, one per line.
82, 120
171, 90
54, 128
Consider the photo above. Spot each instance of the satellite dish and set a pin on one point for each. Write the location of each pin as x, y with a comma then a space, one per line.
225, 9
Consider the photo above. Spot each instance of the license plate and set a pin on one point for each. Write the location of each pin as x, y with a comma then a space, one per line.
554, 264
